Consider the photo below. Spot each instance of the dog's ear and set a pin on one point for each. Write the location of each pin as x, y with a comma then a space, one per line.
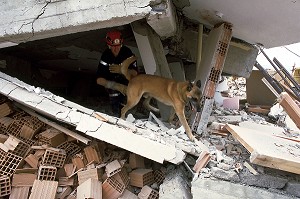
190, 86
198, 83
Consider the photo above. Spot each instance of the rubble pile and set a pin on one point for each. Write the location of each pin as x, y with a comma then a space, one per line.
35, 155
244, 152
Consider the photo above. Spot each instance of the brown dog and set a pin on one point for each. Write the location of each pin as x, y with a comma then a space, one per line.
167, 91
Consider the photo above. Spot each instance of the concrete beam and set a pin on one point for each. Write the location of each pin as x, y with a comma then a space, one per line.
163, 19
39, 19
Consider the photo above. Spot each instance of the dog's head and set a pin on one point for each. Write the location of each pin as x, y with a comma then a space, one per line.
194, 94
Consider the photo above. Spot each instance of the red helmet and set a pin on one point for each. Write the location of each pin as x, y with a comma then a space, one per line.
114, 38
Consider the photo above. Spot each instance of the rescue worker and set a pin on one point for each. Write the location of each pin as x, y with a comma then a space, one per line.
109, 70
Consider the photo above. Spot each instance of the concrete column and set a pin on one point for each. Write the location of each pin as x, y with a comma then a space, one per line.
153, 57
210, 70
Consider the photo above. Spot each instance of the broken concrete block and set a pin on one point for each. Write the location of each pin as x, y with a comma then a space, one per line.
122, 177
4, 123
5, 109
43, 189
79, 161
141, 177
92, 154
231, 103
112, 189
207, 189
32, 160
70, 147
128, 195
9, 163
225, 175
175, 186
90, 173
148, 193
3, 138
17, 146
54, 158
52, 137
91, 188
47, 173
69, 169
293, 188
136, 161
202, 161
265, 181
5, 186
66, 181
23, 179
65, 191
30, 126
159, 176
113, 168
19, 192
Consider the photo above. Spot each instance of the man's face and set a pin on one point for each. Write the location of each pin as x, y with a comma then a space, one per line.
115, 49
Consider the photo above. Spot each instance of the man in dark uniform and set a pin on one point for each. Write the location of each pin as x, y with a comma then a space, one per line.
109, 69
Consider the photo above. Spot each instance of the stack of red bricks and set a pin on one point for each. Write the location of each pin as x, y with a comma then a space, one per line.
39, 161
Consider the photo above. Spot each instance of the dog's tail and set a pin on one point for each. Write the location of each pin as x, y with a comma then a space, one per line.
146, 104
124, 67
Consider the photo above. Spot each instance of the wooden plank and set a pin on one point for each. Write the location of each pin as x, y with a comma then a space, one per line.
258, 110
290, 107
268, 150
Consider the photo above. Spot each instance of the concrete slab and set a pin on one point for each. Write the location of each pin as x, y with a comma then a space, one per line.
134, 143
207, 188
26, 98
31, 20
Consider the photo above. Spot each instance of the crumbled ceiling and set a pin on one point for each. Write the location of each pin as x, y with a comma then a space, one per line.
268, 22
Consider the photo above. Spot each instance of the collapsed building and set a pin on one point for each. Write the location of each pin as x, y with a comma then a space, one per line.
59, 140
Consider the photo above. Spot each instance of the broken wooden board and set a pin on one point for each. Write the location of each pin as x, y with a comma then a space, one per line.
268, 151
290, 107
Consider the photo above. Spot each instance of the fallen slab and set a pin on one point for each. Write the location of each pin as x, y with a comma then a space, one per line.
217, 189
135, 143
267, 150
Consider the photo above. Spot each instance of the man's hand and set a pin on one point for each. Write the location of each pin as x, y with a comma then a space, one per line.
120, 69
115, 68
101, 81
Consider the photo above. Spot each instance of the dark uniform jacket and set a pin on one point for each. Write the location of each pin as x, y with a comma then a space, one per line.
108, 58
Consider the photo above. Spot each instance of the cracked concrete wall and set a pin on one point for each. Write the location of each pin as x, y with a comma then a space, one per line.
240, 57
28, 20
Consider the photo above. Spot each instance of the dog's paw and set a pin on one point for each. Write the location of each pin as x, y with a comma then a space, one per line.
192, 138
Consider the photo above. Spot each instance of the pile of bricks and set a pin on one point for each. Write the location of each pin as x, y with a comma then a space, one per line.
39, 161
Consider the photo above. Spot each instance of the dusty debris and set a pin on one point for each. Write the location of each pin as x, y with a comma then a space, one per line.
79, 163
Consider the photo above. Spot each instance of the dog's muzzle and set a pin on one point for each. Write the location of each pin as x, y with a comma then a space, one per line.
195, 103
